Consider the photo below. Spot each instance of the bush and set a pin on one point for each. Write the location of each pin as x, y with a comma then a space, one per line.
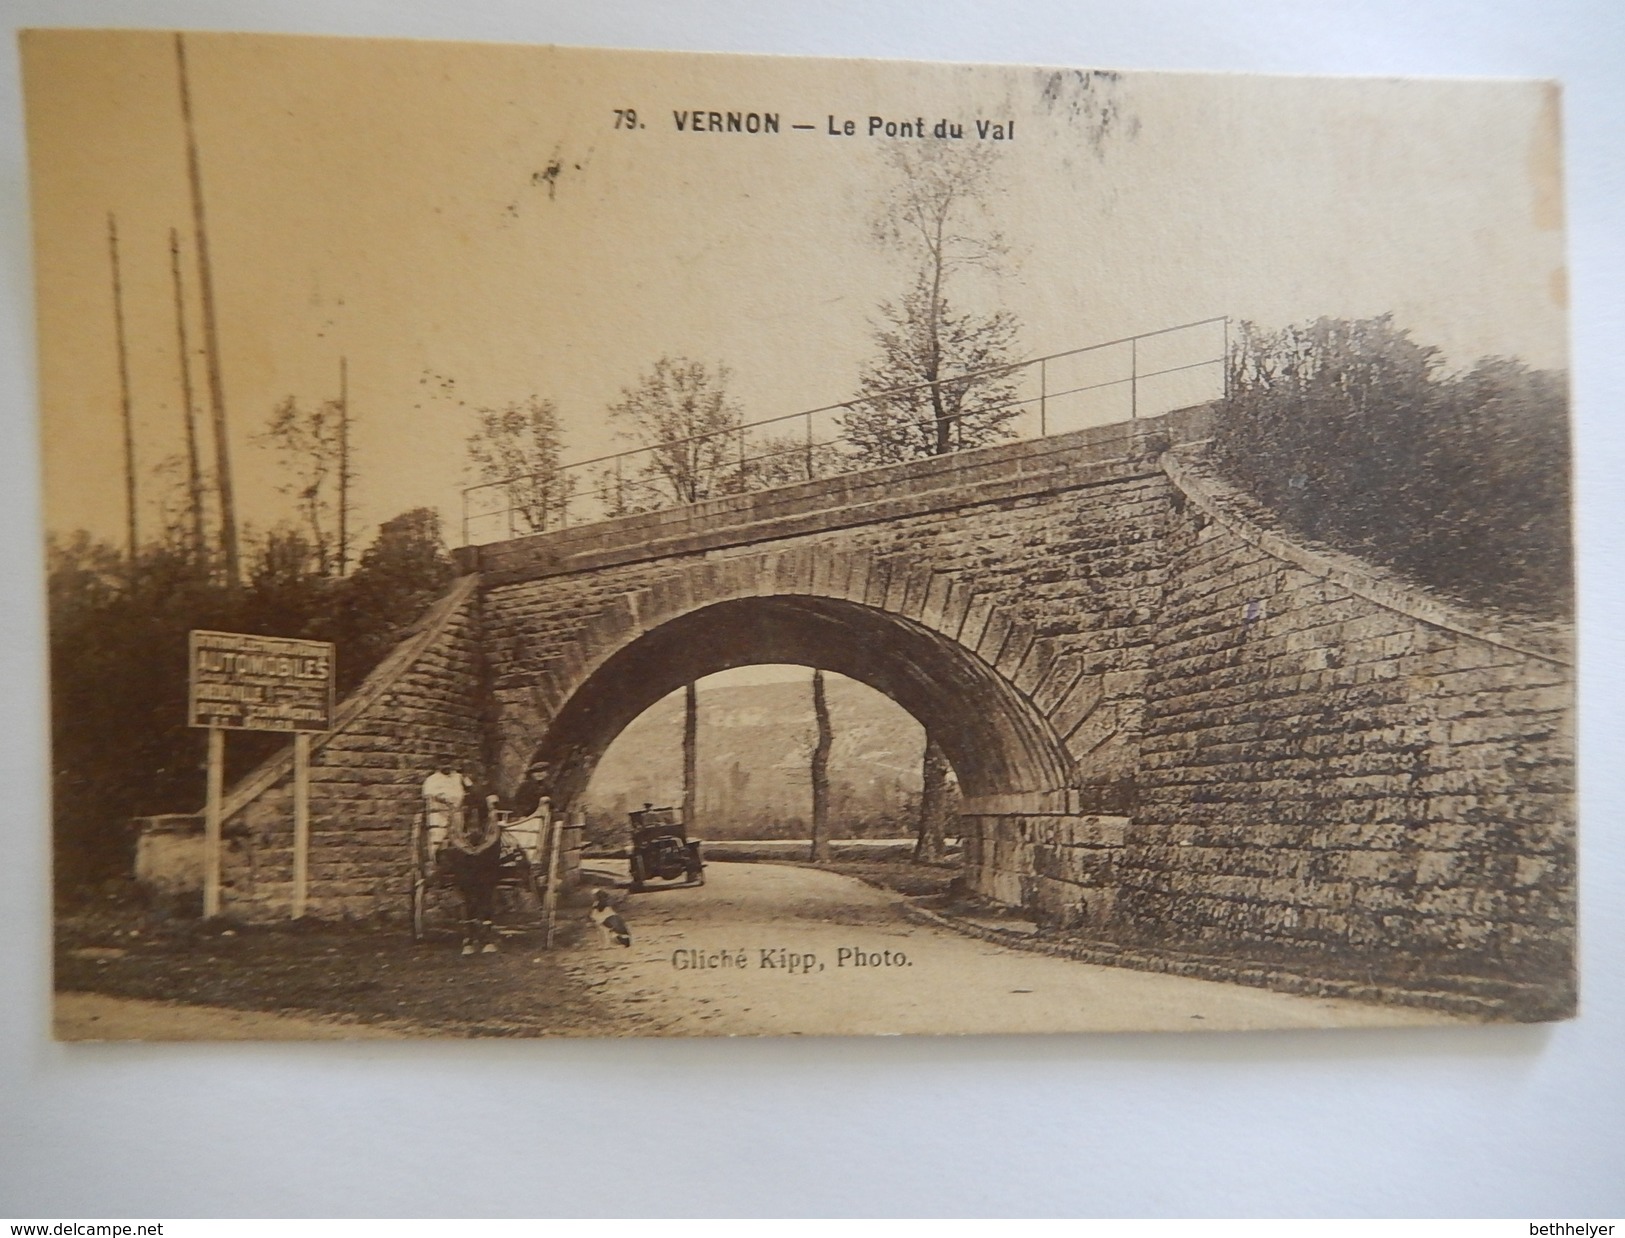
120, 743
1351, 434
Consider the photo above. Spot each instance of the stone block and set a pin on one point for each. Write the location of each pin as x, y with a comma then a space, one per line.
1063, 675
1057, 904
977, 613
1093, 831
994, 635
1076, 705
1018, 643
1093, 731
877, 584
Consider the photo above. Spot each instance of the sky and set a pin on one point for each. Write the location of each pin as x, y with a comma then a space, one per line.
390, 203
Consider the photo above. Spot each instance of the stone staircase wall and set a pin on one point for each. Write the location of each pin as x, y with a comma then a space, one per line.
422, 703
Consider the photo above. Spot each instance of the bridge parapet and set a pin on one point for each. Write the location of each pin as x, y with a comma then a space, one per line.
1060, 462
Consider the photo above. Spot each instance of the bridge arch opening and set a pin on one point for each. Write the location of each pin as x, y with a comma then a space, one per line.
754, 738
996, 741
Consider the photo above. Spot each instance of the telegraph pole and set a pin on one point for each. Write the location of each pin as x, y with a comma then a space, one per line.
211, 333
344, 463
124, 389
194, 470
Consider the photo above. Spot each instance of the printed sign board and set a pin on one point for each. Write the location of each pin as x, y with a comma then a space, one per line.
260, 683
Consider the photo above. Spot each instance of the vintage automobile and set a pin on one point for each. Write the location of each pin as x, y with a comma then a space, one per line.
662, 850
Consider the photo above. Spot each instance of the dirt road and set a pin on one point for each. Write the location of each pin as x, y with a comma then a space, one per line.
766, 949
97, 1016
761, 949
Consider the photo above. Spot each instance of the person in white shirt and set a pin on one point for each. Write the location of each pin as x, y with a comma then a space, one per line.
443, 794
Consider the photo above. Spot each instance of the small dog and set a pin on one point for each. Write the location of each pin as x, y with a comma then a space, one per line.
610, 925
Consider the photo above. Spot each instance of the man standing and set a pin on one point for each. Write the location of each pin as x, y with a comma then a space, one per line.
528, 795
532, 815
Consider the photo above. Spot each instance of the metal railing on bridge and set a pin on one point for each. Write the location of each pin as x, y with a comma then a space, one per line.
1119, 380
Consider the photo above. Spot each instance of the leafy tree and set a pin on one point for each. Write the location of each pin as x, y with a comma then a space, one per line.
520, 445
289, 589
1353, 434
407, 564
939, 379
681, 410
82, 575
121, 746
401, 574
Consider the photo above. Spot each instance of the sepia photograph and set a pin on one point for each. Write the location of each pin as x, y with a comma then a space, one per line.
551, 542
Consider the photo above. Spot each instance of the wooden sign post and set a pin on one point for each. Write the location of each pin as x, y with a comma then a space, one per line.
212, 823
301, 821
550, 894
259, 683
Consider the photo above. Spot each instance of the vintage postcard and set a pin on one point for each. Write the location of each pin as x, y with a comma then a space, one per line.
548, 541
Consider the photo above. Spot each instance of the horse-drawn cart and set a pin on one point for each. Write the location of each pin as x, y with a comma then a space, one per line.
526, 857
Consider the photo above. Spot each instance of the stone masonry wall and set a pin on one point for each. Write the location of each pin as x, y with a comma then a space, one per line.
425, 701
1325, 776
1337, 777
1063, 867
1044, 563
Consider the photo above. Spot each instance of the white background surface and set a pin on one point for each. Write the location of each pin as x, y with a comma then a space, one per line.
1511, 1121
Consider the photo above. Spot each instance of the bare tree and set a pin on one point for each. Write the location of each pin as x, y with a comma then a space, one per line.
691, 752
681, 410
312, 445
938, 209
931, 843
820, 852
520, 446
784, 459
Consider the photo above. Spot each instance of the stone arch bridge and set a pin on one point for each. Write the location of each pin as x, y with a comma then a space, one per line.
1184, 741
